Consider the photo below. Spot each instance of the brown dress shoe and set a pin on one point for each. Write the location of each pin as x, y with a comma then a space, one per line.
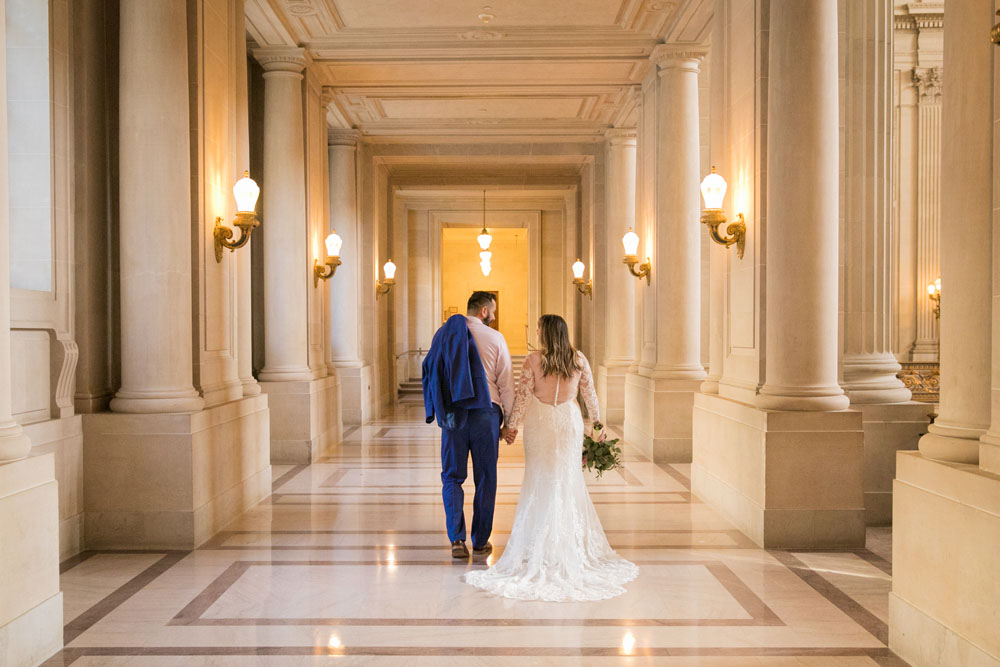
483, 550
459, 550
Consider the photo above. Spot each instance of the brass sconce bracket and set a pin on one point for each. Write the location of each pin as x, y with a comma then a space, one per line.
644, 268
735, 233
936, 298
246, 222
326, 270
383, 286
995, 32
584, 287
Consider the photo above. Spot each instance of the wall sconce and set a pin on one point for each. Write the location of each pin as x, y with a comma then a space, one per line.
631, 243
713, 189
246, 192
326, 270
934, 293
383, 286
581, 286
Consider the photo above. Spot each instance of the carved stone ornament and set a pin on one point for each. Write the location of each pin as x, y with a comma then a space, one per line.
923, 379
481, 35
927, 81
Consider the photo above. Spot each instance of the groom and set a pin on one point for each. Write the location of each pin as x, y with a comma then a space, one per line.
468, 385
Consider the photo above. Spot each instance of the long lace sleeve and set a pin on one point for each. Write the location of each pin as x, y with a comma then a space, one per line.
525, 388
587, 390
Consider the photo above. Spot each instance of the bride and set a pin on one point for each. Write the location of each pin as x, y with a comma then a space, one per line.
557, 549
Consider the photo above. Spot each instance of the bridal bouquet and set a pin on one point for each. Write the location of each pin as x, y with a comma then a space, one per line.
600, 454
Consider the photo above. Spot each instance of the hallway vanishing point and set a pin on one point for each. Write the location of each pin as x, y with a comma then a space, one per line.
348, 563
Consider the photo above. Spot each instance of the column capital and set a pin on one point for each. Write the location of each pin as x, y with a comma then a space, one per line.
342, 137
618, 136
928, 82
326, 96
677, 56
282, 59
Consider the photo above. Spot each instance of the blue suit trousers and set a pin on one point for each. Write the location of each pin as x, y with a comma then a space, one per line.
481, 437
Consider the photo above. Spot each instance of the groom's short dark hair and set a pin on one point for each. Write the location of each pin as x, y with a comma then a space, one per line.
478, 300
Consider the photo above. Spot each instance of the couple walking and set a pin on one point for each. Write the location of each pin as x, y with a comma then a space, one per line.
557, 550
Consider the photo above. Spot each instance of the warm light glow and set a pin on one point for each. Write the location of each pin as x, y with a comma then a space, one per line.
334, 642
390, 270
246, 192
333, 244
485, 266
485, 256
631, 243
484, 239
628, 643
713, 189
578, 268
932, 289
937, 284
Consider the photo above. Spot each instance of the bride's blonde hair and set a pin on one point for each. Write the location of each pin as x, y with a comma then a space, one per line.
558, 355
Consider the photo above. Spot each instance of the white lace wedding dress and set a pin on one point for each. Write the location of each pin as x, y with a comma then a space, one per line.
557, 549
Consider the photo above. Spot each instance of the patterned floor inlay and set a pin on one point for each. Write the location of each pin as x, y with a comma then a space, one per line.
348, 563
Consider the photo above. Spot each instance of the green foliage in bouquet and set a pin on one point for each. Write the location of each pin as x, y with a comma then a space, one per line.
602, 456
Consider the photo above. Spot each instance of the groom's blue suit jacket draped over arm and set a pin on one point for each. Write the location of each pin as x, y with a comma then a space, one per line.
454, 380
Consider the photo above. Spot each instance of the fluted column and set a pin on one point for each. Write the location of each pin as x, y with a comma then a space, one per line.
966, 263
677, 267
802, 205
345, 338
927, 82
155, 210
619, 206
869, 365
286, 270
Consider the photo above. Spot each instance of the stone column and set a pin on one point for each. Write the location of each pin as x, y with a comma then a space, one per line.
244, 298
802, 198
966, 262
678, 242
286, 270
155, 210
869, 365
619, 319
890, 420
345, 295
927, 82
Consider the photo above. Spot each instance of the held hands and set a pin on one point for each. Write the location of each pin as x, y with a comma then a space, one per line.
508, 434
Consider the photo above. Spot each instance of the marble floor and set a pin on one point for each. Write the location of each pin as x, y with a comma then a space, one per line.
348, 563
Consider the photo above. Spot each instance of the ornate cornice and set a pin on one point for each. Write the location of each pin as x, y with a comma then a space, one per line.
282, 59
676, 56
342, 137
927, 81
927, 15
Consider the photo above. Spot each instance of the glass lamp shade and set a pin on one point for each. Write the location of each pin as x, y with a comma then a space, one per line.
485, 256
932, 289
390, 270
485, 266
578, 268
333, 244
713, 189
484, 239
937, 285
631, 242
246, 192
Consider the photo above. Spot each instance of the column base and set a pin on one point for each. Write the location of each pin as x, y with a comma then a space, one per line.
137, 402
951, 443
788, 480
611, 392
31, 613
945, 538
14, 444
305, 419
925, 351
172, 481
798, 399
658, 416
356, 402
888, 429
989, 453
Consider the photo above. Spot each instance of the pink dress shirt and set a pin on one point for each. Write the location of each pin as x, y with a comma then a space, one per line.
496, 361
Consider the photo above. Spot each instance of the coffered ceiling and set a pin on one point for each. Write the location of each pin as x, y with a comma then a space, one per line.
500, 69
